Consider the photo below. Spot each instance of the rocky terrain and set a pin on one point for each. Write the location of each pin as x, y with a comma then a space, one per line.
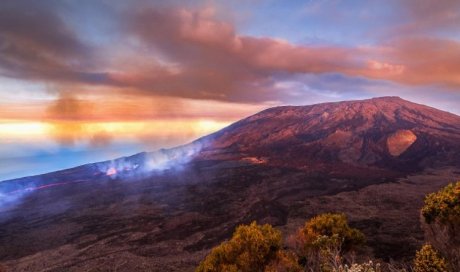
162, 211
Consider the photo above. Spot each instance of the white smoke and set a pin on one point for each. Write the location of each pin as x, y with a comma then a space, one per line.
137, 166
174, 158
6, 198
156, 162
9, 199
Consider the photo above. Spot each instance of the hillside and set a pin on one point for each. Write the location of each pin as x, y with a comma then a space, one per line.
372, 159
387, 133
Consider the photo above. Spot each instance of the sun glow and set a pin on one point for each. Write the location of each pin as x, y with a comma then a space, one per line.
11, 129
120, 129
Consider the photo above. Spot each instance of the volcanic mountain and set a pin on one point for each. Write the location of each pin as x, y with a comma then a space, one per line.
378, 134
162, 211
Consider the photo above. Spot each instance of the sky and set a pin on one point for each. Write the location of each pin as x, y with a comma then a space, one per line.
90, 80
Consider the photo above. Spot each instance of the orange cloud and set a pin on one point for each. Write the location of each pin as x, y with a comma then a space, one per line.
425, 16
419, 61
100, 119
191, 54
386, 68
214, 62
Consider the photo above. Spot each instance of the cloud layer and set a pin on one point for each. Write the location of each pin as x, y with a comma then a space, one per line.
193, 51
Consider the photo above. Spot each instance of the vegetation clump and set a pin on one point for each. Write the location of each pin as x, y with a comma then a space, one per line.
326, 243
428, 260
250, 249
443, 205
364, 267
330, 228
285, 261
325, 239
441, 222
320, 245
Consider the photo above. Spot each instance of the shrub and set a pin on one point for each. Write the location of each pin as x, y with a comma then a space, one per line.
330, 228
441, 222
365, 267
285, 261
324, 239
428, 260
250, 249
443, 205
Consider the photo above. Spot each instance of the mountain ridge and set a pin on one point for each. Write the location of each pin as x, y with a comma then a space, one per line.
164, 210
357, 130
331, 134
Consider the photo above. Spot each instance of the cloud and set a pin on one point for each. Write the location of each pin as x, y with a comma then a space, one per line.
417, 61
210, 60
69, 116
205, 58
386, 67
37, 44
428, 16
165, 50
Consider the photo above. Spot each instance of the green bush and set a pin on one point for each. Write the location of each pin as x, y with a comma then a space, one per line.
320, 246
324, 239
285, 261
428, 260
250, 249
327, 229
443, 205
441, 222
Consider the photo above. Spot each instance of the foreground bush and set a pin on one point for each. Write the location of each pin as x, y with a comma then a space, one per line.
285, 261
250, 249
319, 247
323, 241
443, 206
441, 222
365, 267
428, 260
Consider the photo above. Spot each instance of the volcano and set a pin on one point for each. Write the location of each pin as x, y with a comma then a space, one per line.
372, 159
382, 134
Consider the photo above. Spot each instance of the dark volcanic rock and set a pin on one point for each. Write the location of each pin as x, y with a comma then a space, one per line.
372, 159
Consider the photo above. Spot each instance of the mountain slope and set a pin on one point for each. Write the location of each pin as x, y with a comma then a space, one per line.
387, 133
162, 211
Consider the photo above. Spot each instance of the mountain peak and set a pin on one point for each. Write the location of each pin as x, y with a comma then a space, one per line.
375, 101
383, 132
388, 98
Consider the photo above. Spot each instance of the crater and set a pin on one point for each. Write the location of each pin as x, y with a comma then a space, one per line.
400, 141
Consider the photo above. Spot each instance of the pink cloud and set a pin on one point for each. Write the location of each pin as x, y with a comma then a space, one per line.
180, 52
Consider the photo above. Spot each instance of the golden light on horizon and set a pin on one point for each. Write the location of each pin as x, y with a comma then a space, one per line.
119, 129
11, 129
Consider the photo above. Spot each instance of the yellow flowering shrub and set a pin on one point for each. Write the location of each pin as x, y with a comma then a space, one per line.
329, 228
441, 223
324, 239
250, 249
428, 260
443, 205
285, 261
